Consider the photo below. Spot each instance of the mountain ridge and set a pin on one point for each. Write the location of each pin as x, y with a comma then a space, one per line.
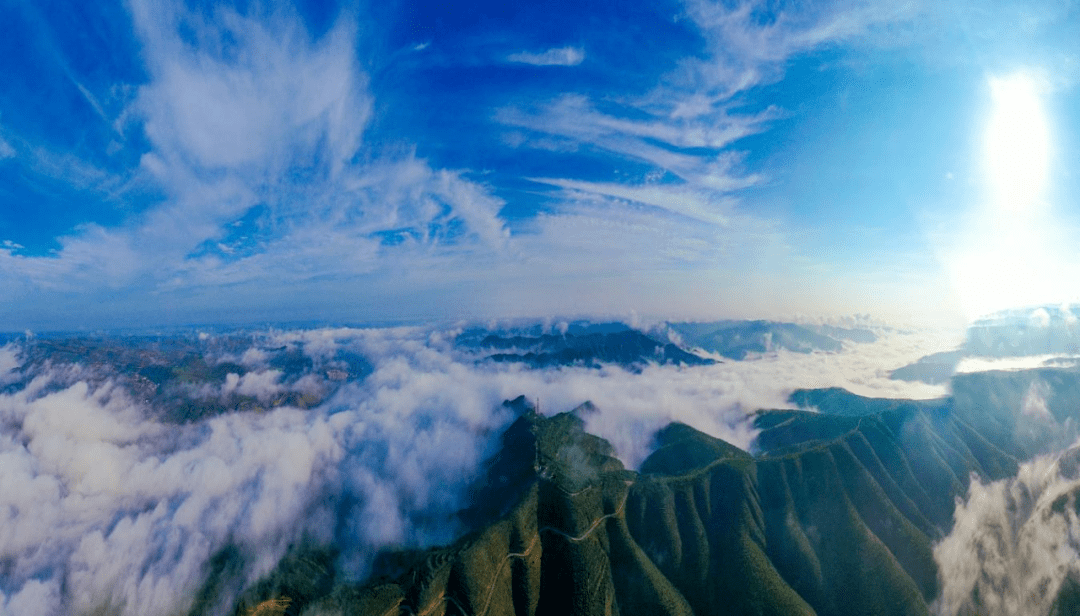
837, 514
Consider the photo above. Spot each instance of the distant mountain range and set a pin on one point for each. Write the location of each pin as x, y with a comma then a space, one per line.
738, 339
593, 344
836, 514
1043, 330
629, 348
934, 369
182, 377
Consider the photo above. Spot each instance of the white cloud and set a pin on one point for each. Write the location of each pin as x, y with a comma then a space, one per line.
690, 123
1028, 362
749, 41
601, 250
559, 56
250, 91
126, 510
259, 384
246, 110
677, 199
33, 599
10, 361
573, 117
6, 151
658, 247
747, 44
690, 110
1013, 542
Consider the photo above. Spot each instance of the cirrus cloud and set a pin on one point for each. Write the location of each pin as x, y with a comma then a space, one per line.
558, 56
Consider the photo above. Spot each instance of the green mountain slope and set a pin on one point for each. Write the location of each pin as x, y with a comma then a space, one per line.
836, 515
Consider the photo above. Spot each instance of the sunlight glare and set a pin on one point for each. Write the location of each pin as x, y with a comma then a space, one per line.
1017, 143
1012, 253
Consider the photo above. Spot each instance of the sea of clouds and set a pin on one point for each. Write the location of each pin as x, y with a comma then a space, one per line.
108, 507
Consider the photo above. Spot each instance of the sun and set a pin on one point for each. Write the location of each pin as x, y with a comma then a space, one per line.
1017, 143
1010, 253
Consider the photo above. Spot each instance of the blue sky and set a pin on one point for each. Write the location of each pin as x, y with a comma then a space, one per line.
169, 163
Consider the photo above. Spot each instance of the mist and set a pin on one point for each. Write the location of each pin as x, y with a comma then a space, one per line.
1015, 542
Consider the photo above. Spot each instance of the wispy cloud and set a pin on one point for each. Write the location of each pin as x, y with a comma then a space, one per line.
92, 101
663, 142
249, 113
261, 166
686, 129
677, 199
6, 151
748, 44
559, 56
749, 41
249, 93
1014, 542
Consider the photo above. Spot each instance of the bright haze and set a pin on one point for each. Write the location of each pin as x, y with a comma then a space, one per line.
184, 162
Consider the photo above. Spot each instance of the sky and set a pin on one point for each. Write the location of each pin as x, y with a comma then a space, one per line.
167, 163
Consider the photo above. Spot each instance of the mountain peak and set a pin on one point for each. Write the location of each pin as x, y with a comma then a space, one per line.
681, 448
536, 448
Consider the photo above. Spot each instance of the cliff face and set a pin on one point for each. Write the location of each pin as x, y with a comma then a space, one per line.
837, 515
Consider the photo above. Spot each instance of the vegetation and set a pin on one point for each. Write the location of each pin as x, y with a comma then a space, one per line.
835, 516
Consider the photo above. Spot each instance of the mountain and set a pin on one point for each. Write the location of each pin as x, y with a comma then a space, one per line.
628, 348
862, 336
184, 378
1029, 331
1045, 330
472, 336
737, 339
839, 401
933, 369
836, 514
582, 343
